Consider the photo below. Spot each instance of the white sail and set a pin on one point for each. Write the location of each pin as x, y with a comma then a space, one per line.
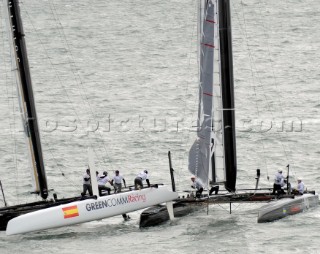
206, 156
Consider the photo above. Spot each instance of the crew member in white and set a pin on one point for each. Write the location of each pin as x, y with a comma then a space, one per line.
138, 181
117, 182
102, 181
87, 183
300, 188
196, 184
278, 183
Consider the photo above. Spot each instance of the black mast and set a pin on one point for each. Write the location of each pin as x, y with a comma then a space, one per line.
31, 123
171, 173
227, 94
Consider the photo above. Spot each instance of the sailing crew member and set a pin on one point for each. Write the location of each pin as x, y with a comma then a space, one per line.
116, 182
87, 183
278, 183
300, 188
102, 181
196, 184
143, 175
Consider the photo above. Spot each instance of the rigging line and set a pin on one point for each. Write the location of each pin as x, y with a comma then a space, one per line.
184, 140
259, 81
281, 108
222, 207
70, 180
12, 128
234, 207
253, 87
72, 64
196, 101
272, 69
268, 103
58, 77
80, 78
88, 102
4, 65
60, 82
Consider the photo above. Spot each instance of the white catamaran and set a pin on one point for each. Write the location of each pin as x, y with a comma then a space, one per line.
57, 213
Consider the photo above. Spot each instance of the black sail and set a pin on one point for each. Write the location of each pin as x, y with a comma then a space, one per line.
31, 123
227, 94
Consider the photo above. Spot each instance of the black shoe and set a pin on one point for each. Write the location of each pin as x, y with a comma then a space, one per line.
126, 217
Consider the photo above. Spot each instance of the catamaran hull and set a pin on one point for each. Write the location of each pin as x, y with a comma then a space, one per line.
9, 212
156, 215
89, 210
287, 206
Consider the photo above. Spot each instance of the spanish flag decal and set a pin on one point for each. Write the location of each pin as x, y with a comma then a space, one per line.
71, 211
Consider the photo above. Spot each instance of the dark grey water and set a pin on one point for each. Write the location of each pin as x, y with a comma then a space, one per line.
122, 77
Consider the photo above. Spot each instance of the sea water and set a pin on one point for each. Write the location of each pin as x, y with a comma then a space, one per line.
121, 77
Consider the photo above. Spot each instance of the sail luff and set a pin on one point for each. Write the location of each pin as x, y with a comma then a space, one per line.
227, 94
27, 99
217, 151
201, 151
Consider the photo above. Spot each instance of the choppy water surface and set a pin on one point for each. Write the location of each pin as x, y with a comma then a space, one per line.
121, 76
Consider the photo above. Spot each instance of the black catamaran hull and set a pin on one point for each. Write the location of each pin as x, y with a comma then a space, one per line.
278, 208
156, 215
